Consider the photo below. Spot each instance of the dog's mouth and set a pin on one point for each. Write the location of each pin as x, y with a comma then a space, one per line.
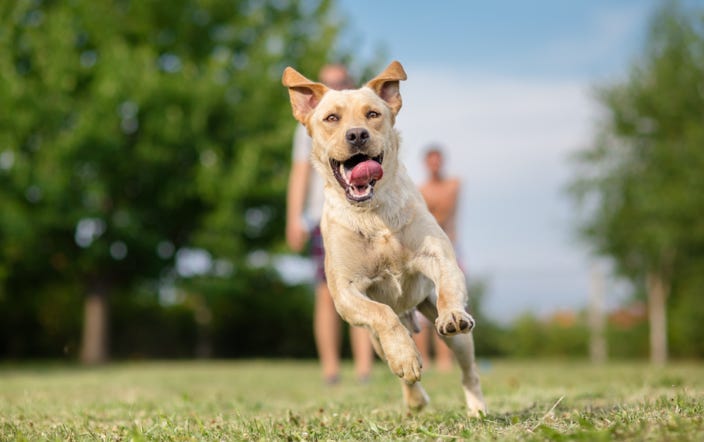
358, 175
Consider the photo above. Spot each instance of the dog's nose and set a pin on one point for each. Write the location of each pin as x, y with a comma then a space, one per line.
357, 136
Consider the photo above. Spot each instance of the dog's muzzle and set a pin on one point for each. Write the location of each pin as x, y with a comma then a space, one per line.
358, 175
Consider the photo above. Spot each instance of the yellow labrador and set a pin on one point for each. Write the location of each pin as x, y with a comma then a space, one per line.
385, 254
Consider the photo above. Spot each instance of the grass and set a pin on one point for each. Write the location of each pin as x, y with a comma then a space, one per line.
285, 400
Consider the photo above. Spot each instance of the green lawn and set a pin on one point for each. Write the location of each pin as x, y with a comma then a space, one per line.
285, 400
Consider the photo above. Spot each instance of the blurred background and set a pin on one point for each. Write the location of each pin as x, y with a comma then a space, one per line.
145, 149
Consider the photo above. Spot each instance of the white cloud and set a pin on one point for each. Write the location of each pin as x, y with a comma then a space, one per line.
508, 139
609, 30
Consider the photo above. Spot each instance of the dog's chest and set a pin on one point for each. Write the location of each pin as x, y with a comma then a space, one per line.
387, 266
381, 252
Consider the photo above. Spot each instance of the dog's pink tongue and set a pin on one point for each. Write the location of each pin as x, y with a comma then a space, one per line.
365, 172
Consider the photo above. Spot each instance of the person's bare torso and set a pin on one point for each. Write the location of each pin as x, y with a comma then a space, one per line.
441, 197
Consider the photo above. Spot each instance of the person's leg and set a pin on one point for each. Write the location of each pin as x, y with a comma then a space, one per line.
326, 327
362, 352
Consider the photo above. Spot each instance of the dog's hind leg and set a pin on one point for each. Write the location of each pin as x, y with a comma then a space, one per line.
463, 348
414, 396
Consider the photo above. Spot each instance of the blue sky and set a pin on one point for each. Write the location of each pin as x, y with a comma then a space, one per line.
541, 38
506, 87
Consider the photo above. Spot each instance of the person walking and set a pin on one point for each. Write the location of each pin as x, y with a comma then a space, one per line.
303, 212
441, 195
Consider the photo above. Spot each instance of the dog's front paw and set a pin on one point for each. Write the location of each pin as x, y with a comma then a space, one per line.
454, 322
403, 358
408, 366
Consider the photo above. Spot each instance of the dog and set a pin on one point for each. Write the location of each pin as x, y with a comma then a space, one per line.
385, 255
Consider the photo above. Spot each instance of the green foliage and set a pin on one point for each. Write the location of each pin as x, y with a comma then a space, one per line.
270, 319
284, 400
488, 335
641, 182
143, 328
133, 129
530, 337
687, 312
644, 169
46, 324
630, 342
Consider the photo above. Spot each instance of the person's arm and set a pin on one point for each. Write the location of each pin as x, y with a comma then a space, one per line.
296, 232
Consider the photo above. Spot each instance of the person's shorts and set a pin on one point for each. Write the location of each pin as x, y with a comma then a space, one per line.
317, 252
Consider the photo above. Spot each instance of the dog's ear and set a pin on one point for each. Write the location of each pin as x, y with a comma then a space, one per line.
386, 85
305, 94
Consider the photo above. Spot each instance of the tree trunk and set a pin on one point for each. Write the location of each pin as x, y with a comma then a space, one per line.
94, 347
598, 350
657, 316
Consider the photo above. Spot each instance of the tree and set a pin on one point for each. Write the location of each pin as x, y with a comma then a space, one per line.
133, 130
642, 180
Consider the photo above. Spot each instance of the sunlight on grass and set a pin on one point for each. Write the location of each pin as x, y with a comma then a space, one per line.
273, 399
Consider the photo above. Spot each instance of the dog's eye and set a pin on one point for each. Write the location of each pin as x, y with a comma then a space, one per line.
372, 114
332, 117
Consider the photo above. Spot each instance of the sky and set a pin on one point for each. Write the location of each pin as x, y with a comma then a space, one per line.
507, 88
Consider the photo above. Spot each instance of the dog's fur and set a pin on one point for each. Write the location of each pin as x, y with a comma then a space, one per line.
385, 253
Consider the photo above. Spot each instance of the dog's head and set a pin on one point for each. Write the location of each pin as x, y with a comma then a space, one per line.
352, 130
